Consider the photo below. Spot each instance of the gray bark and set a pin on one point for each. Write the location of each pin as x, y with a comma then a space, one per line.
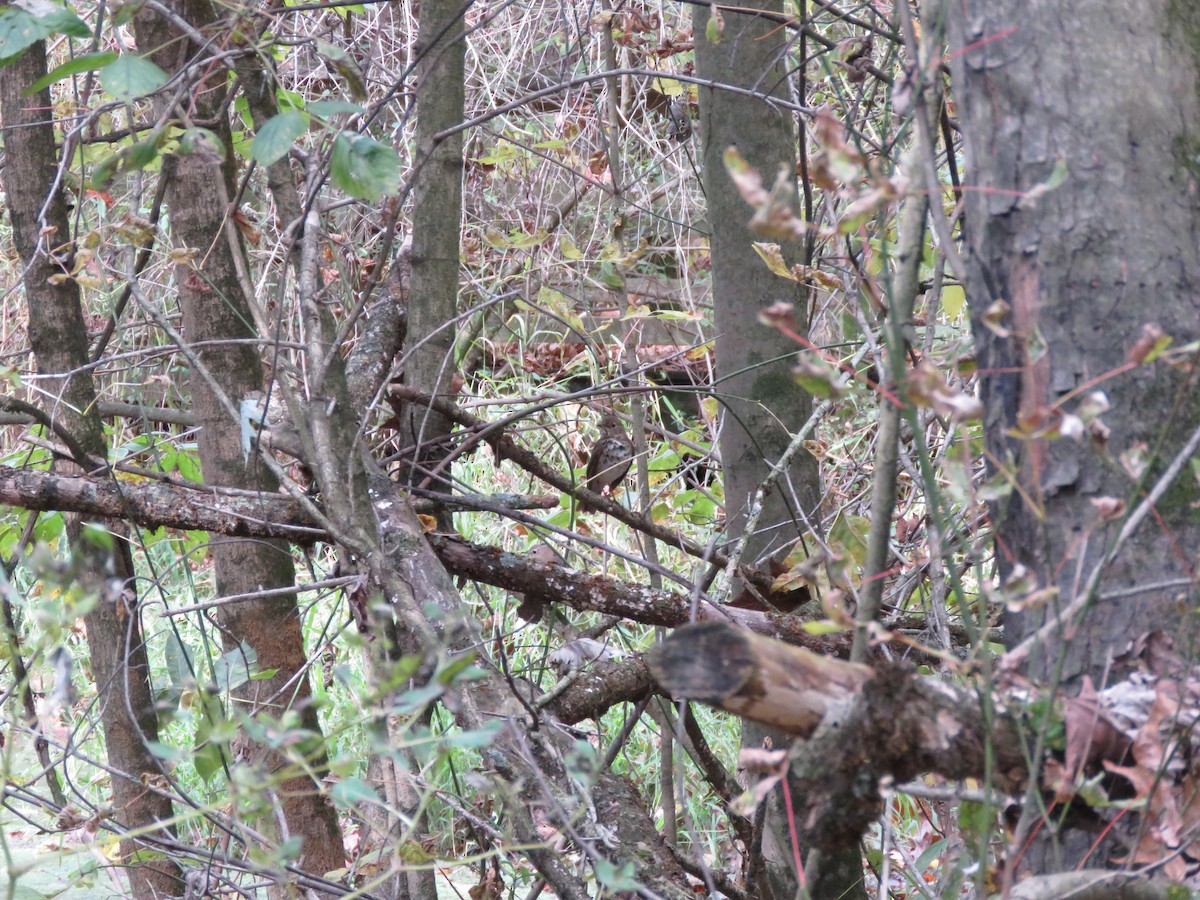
763, 405
1083, 268
432, 288
1106, 93
437, 212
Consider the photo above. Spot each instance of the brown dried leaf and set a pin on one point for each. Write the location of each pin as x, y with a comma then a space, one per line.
994, 316
1056, 779
755, 761
1110, 508
1152, 748
491, 888
1091, 736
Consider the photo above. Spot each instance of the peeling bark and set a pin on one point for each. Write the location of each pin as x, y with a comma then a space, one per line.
1081, 129
859, 723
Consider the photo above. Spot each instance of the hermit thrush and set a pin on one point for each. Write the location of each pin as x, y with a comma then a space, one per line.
610, 458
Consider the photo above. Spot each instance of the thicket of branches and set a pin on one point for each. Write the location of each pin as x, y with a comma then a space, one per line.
300, 596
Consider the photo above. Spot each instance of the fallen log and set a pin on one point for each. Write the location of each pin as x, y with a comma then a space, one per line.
860, 724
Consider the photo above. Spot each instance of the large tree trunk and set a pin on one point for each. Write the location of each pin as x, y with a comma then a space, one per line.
1081, 125
763, 405
58, 336
217, 311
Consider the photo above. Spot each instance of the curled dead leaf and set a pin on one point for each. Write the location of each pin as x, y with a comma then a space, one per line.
1110, 508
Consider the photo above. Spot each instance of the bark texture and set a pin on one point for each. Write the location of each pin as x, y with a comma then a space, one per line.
437, 214
1083, 267
216, 310
58, 335
762, 404
1081, 129
427, 274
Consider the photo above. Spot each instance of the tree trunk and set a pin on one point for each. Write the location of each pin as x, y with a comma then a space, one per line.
430, 271
59, 338
437, 213
1081, 128
217, 311
763, 405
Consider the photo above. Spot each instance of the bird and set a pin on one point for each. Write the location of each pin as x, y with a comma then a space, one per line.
611, 456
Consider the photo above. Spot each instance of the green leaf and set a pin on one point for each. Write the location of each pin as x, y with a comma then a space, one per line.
180, 662
57, 20
363, 167
142, 154
168, 704
930, 856
49, 528
702, 510
289, 849
202, 141
977, 820
276, 136
351, 791
289, 99
331, 52
822, 628
18, 30
568, 248
850, 531
233, 669
344, 64
128, 159
954, 300
417, 699
666, 461
326, 108
207, 760
615, 878
819, 377
76, 66
130, 77
414, 854
165, 751
714, 31
473, 740
213, 730
610, 276
457, 667
124, 12
97, 535
188, 466
103, 174
241, 106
